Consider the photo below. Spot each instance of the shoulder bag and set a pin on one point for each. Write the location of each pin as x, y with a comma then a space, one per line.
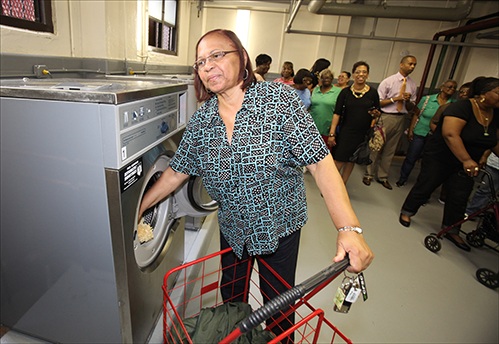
376, 135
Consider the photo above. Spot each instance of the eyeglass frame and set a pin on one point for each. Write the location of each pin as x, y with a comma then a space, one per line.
211, 57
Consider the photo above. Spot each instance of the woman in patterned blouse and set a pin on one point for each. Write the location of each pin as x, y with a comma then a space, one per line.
248, 142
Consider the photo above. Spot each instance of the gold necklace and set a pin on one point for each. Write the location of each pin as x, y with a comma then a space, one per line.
484, 118
362, 92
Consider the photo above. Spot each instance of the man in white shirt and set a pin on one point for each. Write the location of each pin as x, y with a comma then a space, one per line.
397, 94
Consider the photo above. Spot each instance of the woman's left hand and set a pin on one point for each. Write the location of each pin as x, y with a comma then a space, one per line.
375, 113
358, 251
331, 141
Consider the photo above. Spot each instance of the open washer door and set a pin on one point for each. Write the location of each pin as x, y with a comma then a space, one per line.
159, 219
191, 199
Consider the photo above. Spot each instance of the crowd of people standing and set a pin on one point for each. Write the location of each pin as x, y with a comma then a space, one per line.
438, 133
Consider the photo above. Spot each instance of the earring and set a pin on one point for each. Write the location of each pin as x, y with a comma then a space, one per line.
246, 74
482, 99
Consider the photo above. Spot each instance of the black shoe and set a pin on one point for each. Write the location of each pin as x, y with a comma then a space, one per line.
404, 222
399, 184
461, 245
366, 181
385, 184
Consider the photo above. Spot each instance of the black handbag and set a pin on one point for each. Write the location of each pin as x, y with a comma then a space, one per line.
362, 153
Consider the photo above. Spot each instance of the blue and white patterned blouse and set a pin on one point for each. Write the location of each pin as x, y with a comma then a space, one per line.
256, 179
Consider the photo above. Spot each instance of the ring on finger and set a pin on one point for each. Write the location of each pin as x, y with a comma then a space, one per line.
468, 170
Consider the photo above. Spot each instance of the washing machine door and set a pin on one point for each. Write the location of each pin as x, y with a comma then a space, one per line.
193, 200
159, 220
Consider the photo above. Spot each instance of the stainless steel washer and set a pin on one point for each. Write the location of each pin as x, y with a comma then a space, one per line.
76, 159
194, 198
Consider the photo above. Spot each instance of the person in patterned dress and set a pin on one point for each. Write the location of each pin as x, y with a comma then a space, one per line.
248, 142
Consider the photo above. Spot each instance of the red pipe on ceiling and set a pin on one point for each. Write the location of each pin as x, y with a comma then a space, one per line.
478, 26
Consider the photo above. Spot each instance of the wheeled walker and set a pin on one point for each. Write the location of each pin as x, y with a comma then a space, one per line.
487, 228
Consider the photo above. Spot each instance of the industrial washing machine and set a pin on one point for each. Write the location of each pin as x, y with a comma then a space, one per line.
191, 222
77, 157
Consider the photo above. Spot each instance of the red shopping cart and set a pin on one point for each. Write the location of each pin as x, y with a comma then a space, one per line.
198, 286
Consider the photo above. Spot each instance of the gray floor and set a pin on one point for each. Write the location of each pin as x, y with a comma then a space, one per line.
415, 296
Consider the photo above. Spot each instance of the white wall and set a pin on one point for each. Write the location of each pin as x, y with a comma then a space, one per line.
114, 30
97, 29
267, 35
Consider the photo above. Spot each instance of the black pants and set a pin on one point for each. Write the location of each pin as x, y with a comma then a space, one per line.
458, 186
283, 261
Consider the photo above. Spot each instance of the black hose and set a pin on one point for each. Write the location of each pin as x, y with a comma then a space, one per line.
290, 296
270, 308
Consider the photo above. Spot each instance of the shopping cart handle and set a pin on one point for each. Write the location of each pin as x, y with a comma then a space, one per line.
290, 296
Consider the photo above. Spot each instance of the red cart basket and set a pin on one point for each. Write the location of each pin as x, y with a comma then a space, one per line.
198, 287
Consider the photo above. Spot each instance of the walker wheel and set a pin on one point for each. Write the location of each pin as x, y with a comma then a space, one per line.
488, 278
475, 239
480, 233
432, 243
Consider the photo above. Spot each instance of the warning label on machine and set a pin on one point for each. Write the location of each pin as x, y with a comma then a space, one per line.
131, 174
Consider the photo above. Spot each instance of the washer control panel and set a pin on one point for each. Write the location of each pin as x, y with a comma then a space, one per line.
141, 125
136, 113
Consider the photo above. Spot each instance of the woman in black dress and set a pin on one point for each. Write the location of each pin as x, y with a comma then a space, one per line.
356, 107
467, 130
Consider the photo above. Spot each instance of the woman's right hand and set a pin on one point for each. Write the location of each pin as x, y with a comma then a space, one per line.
410, 135
331, 141
139, 215
471, 168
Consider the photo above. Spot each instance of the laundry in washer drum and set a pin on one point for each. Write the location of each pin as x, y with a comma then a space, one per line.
144, 232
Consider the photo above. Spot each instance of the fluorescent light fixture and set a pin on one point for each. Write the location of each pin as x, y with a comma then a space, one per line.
140, 28
242, 26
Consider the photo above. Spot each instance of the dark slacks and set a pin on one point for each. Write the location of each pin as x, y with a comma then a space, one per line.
414, 152
283, 261
433, 173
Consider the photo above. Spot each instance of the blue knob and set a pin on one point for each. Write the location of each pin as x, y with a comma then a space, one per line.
164, 127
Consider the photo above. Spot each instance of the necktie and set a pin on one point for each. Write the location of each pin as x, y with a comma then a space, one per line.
400, 103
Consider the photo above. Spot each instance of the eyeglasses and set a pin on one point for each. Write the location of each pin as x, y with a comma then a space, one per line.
213, 57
